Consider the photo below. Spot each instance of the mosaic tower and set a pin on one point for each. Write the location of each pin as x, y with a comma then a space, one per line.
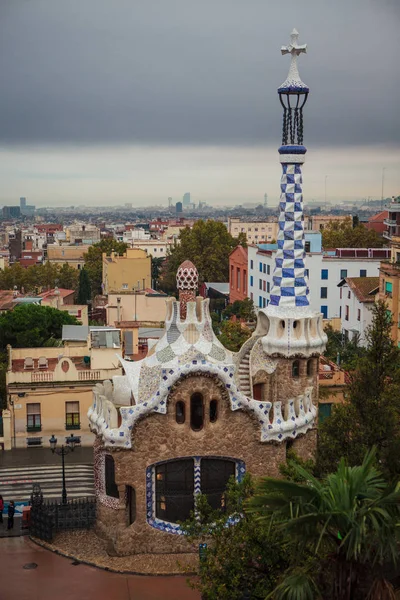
290, 280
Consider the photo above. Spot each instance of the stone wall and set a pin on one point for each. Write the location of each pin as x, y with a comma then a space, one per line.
158, 438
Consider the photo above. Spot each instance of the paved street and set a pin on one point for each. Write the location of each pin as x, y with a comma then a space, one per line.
57, 577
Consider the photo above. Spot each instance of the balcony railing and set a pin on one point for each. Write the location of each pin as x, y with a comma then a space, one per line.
33, 428
390, 222
89, 375
41, 376
69, 426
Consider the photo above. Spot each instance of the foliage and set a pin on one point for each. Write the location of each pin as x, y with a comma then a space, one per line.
347, 351
156, 269
232, 335
370, 415
84, 290
94, 260
244, 558
242, 309
288, 469
207, 245
343, 235
37, 278
32, 326
347, 524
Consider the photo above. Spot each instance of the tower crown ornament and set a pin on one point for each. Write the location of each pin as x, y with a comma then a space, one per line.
293, 95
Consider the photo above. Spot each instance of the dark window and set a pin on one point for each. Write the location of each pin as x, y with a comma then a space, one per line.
307, 246
343, 273
215, 474
196, 412
295, 368
180, 412
310, 367
174, 490
111, 486
213, 411
325, 410
363, 272
324, 292
324, 273
131, 502
33, 421
258, 391
324, 310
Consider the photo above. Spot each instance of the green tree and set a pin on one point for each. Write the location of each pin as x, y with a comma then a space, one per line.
346, 351
32, 326
84, 290
233, 335
344, 528
207, 245
242, 309
68, 277
156, 269
241, 560
370, 415
343, 235
94, 260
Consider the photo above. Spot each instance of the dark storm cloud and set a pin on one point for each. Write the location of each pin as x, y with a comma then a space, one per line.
194, 71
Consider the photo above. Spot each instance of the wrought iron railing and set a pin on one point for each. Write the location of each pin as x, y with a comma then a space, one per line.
50, 516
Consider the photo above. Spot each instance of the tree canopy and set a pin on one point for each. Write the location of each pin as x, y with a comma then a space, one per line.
36, 278
32, 326
207, 245
343, 235
84, 290
242, 309
94, 261
232, 335
370, 415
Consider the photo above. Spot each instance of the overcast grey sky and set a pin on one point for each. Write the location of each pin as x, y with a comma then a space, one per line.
136, 100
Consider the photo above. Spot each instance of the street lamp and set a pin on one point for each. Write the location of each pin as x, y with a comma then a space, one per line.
63, 451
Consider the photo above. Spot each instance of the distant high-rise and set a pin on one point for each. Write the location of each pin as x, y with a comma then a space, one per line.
265, 200
186, 199
178, 207
169, 201
22, 203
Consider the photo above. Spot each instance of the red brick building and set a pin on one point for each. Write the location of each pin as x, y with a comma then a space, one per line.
377, 222
238, 274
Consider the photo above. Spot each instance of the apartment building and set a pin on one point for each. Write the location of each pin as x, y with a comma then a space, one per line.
357, 296
325, 269
129, 272
238, 280
71, 255
144, 306
256, 231
49, 390
81, 233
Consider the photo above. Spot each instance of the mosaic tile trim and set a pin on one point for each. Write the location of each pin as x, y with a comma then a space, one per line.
259, 361
166, 526
290, 282
100, 481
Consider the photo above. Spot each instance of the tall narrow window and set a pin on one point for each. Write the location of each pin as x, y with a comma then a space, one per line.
215, 474
111, 486
310, 367
175, 490
72, 416
33, 421
213, 411
196, 412
131, 503
295, 368
180, 412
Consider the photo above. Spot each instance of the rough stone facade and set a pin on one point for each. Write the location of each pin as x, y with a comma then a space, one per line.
159, 438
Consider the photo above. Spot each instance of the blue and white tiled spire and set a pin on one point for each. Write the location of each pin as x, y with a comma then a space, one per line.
290, 280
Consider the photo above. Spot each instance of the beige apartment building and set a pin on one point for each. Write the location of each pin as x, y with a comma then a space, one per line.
72, 255
320, 222
143, 307
256, 232
131, 271
49, 390
80, 233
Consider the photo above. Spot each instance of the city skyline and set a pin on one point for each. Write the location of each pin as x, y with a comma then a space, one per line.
152, 103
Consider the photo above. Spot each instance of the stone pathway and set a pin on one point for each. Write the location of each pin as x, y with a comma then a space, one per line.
58, 577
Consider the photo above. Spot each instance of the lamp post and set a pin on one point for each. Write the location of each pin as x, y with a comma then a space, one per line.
63, 451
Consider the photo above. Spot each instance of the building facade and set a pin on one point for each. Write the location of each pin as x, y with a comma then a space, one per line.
357, 297
70, 255
238, 279
326, 271
131, 271
256, 231
49, 390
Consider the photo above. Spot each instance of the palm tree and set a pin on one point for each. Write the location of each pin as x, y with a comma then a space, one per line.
346, 525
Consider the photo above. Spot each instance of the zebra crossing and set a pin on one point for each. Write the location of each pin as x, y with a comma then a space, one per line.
16, 482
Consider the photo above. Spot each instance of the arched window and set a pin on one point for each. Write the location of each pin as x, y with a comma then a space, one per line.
213, 411
180, 412
310, 367
296, 368
196, 412
111, 486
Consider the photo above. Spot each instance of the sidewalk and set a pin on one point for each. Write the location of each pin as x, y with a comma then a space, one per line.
58, 577
20, 457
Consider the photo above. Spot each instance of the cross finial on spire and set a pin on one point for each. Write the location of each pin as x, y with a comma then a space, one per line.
293, 81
